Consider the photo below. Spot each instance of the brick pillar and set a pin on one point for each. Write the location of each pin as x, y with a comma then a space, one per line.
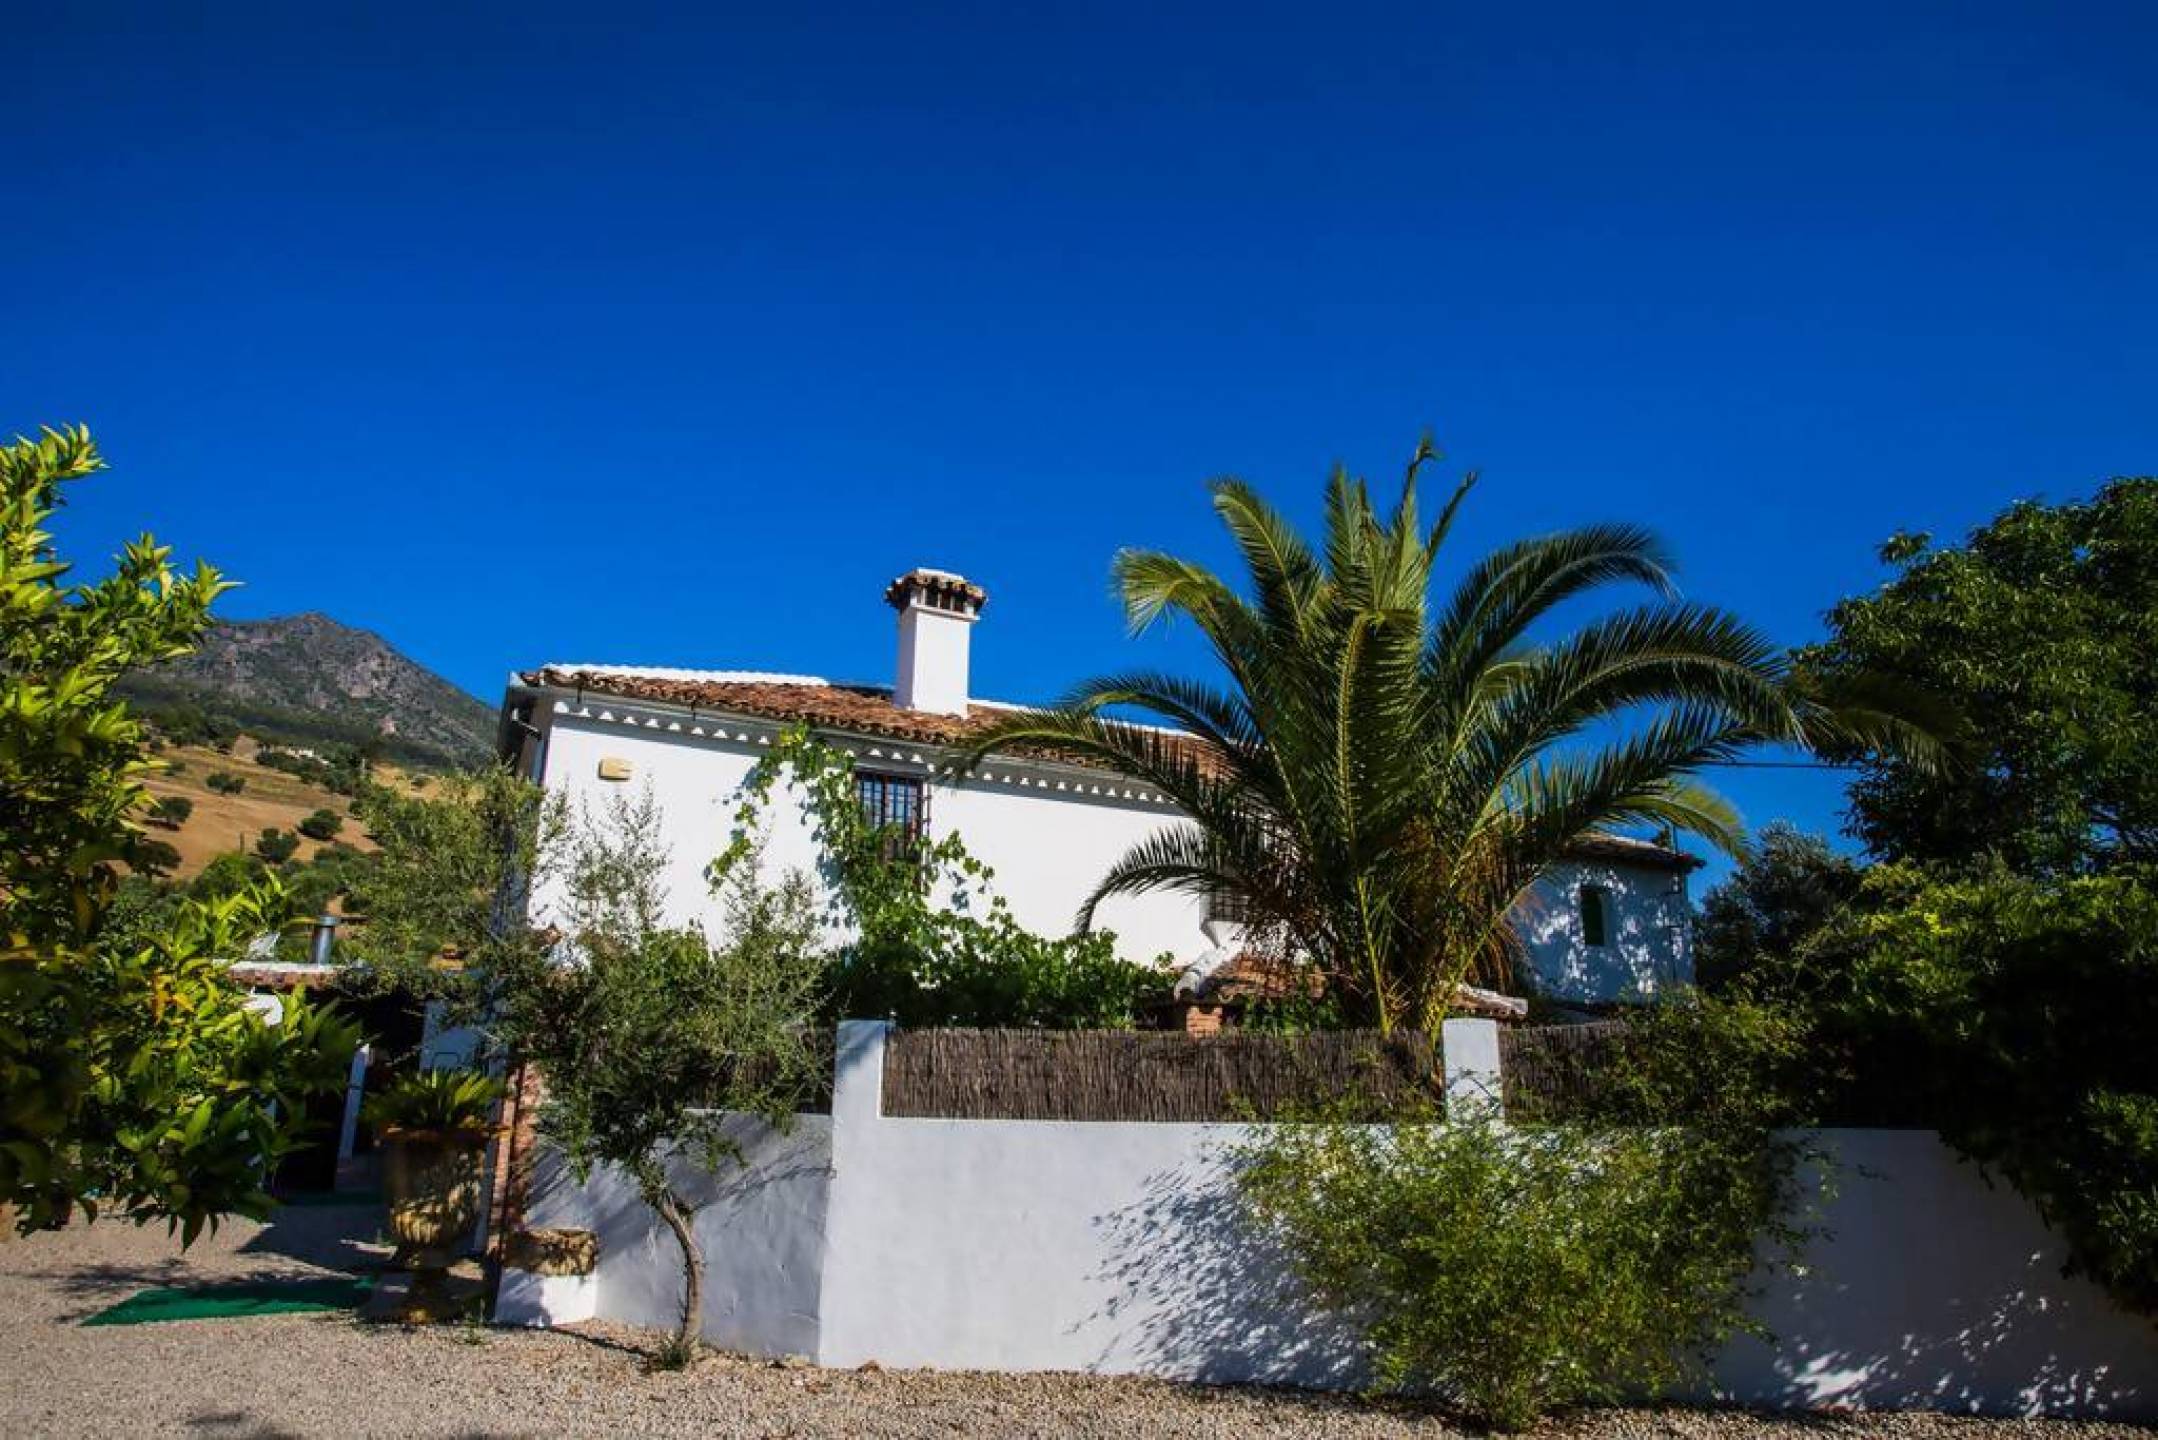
511, 1157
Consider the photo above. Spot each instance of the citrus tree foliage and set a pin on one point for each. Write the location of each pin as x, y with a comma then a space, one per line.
648, 1034
1512, 1271
1387, 770
927, 940
65, 736
134, 1079
2041, 631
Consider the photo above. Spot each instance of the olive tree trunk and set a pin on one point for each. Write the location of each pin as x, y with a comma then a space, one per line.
682, 1220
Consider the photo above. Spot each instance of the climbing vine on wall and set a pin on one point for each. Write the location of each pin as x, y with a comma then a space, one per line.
926, 940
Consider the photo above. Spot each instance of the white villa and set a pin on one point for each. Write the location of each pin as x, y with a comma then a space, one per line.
1609, 926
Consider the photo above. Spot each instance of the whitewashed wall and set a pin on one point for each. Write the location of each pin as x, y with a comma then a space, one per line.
1023, 1245
1050, 836
1646, 949
1016, 1245
1936, 1290
1048, 846
761, 1224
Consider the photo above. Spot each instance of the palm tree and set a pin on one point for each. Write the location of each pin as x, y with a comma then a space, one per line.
1381, 780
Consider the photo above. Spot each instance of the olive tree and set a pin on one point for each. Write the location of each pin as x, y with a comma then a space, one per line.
649, 1034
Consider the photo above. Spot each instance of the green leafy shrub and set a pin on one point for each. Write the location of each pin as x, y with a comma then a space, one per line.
2012, 1014
154, 857
228, 874
336, 870
1515, 1270
170, 812
2029, 1008
322, 825
994, 975
224, 782
142, 909
435, 1100
276, 846
933, 943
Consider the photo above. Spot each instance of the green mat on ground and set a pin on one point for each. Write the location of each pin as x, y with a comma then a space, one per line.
240, 1298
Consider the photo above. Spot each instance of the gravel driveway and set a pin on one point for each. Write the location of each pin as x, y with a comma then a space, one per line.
328, 1375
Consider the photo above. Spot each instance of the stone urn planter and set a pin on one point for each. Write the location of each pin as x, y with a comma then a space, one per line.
549, 1278
431, 1180
434, 1127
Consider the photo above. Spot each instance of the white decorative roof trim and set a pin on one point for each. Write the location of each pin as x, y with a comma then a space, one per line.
1170, 730
773, 677
716, 677
1018, 771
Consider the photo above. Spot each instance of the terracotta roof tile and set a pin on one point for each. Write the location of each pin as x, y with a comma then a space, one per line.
1249, 976
856, 709
940, 588
1634, 852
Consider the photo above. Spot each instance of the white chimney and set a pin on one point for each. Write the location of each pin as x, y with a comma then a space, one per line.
936, 609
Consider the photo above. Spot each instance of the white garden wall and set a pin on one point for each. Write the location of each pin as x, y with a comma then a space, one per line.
1936, 1290
761, 1224
1019, 1245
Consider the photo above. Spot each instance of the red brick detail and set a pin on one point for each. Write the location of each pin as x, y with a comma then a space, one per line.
516, 1148
1201, 1020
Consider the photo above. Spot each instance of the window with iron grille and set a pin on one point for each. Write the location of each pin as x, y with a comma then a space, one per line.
1231, 907
893, 805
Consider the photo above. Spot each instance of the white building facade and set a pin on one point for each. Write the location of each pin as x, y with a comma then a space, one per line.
1609, 926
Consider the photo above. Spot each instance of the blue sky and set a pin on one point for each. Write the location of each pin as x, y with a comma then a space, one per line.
614, 333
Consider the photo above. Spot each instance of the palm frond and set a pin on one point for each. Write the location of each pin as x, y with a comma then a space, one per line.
1666, 655
1179, 859
1517, 585
1383, 778
1284, 574
1877, 715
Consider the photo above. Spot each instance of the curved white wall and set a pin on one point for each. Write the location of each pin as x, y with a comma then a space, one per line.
1645, 949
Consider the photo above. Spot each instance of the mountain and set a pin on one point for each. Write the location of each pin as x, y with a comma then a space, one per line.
307, 680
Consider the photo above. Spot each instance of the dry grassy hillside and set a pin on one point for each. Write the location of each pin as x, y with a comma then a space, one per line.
224, 823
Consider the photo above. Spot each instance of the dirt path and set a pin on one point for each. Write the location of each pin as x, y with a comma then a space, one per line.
326, 1375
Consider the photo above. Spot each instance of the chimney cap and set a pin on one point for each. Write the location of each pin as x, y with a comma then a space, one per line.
937, 589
